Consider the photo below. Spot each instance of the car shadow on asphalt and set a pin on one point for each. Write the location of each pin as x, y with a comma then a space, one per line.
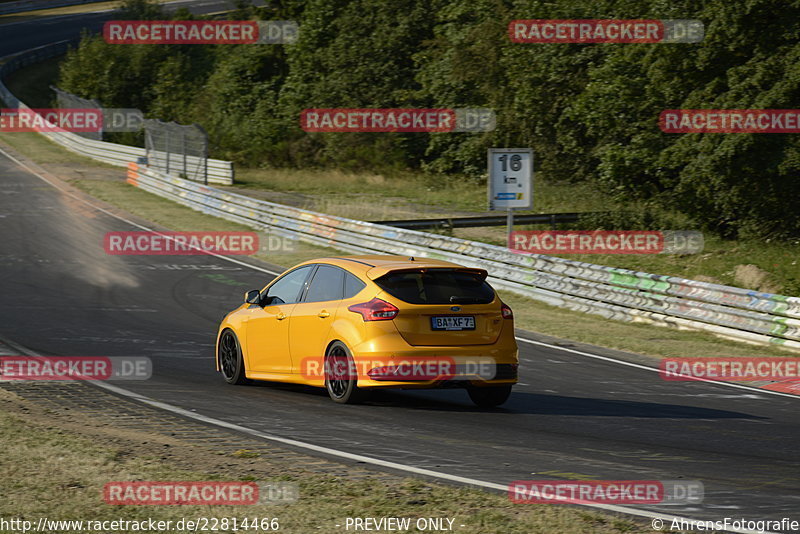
521, 402
548, 404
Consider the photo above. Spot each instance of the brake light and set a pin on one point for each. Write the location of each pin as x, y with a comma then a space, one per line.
375, 310
506, 312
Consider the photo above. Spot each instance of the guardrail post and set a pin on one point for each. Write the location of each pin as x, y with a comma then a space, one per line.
183, 149
167, 143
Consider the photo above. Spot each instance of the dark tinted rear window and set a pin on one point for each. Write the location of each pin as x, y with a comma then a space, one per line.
443, 286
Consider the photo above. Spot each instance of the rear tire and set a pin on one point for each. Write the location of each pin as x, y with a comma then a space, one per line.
231, 362
490, 396
341, 377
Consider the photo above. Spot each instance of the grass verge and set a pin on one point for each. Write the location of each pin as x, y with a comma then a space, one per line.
56, 468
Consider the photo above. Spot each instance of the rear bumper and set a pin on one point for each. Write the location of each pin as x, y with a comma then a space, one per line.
437, 367
508, 378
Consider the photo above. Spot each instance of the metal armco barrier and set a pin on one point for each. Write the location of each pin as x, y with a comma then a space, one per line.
485, 220
740, 314
219, 172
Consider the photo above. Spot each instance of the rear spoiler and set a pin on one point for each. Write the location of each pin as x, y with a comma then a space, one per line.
378, 272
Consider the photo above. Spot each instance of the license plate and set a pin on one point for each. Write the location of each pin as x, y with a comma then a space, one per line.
461, 322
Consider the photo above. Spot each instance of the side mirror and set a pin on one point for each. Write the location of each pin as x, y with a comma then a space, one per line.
252, 297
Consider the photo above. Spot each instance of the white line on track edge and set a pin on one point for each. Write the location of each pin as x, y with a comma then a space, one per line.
656, 370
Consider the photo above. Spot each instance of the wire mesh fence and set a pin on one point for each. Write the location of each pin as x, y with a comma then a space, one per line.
170, 147
177, 149
69, 101
114, 119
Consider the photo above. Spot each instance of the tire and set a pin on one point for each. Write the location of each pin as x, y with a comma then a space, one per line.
231, 362
342, 384
490, 396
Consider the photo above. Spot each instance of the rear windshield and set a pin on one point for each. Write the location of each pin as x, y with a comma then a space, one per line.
442, 286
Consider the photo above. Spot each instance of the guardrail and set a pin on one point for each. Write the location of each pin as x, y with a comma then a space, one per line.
31, 5
219, 171
485, 220
622, 294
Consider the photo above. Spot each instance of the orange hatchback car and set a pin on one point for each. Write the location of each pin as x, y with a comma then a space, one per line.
355, 323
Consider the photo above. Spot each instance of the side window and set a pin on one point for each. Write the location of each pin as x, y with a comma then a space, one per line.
287, 289
352, 285
327, 284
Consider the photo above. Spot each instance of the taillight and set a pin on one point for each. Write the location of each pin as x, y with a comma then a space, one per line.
375, 310
506, 312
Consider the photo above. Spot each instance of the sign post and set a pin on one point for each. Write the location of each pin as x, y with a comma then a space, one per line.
510, 181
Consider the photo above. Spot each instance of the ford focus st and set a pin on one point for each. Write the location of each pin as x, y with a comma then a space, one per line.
355, 323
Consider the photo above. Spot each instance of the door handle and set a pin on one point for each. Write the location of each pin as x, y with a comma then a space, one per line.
323, 314
281, 316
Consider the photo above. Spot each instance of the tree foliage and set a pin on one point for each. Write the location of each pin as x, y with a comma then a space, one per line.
589, 111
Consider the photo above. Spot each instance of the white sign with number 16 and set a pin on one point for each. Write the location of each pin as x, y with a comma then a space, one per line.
510, 178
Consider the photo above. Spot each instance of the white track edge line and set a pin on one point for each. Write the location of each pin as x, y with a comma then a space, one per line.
656, 370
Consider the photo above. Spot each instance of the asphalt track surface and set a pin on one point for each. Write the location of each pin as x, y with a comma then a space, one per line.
572, 416
24, 35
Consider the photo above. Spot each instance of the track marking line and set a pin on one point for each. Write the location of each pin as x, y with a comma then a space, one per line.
654, 369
